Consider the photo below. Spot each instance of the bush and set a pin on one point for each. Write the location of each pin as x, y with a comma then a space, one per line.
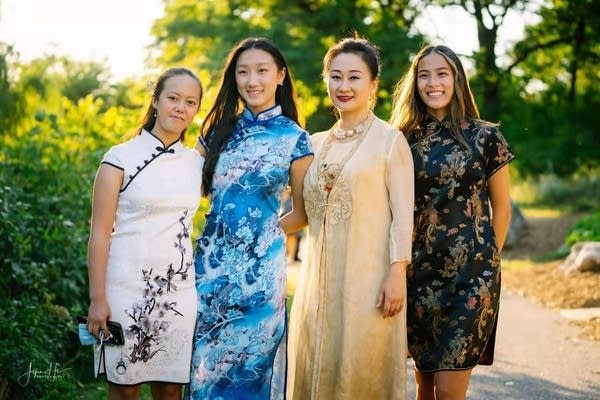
579, 192
584, 230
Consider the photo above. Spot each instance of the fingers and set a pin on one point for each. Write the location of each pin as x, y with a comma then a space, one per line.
379, 299
391, 307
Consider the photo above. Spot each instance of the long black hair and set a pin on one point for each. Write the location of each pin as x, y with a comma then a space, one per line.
218, 125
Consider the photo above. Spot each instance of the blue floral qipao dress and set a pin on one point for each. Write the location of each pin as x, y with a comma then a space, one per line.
454, 280
239, 343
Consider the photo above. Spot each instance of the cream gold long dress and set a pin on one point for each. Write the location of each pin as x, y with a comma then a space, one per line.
359, 200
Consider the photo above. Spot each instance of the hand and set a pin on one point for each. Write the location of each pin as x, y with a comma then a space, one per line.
98, 314
392, 296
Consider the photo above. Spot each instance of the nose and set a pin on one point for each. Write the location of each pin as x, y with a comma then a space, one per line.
251, 79
344, 84
179, 106
432, 81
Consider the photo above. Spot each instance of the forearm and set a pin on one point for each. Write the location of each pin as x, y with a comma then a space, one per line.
500, 224
98, 248
293, 221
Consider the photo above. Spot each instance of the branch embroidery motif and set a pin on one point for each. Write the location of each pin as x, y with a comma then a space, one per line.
149, 317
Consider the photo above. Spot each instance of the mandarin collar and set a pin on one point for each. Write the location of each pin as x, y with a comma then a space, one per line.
152, 138
431, 123
262, 116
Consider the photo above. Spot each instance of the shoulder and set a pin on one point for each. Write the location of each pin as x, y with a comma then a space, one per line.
192, 154
318, 138
119, 152
384, 127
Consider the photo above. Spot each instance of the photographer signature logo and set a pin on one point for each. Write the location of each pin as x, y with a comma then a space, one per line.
52, 374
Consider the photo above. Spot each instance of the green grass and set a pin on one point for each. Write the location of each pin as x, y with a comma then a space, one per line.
99, 391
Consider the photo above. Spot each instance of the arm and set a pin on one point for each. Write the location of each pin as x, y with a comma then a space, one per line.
400, 181
104, 207
296, 218
200, 148
498, 185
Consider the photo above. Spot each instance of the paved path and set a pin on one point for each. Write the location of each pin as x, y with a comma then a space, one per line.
538, 357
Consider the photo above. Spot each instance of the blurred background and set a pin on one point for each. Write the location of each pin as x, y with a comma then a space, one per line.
75, 77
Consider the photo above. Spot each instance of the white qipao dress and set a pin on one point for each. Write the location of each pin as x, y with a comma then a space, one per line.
150, 270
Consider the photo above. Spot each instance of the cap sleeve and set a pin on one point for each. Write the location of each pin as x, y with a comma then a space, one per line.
303, 146
202, 142
114, 157
497, 152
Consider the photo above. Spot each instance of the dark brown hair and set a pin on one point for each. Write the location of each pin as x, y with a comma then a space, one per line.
150, 116
408, 110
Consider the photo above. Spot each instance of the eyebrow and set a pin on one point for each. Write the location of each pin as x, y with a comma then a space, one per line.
260, 64
351, 71
179, 94
435, 69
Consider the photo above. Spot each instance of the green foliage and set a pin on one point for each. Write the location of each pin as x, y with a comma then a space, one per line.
47, 170
579, 192
584, 230
11, 100
303, 30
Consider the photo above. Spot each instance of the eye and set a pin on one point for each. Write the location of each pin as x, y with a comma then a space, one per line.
355, 77
191, 102
172, 98
263, 70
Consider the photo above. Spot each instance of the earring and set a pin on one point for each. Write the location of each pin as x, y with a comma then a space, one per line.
155, 114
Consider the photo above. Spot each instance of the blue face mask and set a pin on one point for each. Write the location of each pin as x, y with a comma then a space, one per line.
85, 337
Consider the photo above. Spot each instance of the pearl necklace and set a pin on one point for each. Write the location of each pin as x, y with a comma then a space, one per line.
340, 133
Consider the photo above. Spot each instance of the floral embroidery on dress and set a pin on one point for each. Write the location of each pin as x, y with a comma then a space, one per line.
240, 263
453, 282
148, 317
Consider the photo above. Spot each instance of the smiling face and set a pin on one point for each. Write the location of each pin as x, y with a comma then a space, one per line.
257, 77
435, 84
176, 106
349, 84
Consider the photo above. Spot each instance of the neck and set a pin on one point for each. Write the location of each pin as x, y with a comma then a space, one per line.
168, 138
348, 120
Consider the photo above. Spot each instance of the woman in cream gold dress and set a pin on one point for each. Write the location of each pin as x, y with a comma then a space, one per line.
348, 327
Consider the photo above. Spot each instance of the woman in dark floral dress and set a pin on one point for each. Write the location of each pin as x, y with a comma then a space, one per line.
461, 176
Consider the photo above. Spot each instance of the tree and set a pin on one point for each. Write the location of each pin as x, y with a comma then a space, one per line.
489, 16
564, 43
199, 34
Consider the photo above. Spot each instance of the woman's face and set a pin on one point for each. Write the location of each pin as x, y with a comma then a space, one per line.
176, 105
257, 77
435, 84
349, 83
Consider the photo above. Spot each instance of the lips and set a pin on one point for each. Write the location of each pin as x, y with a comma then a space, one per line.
344, 99
437, 93
253, 92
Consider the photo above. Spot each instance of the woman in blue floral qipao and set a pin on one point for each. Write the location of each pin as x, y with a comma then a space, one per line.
462, 214
254, 148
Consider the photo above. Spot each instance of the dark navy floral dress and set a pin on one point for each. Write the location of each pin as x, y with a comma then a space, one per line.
454, 280
239, 343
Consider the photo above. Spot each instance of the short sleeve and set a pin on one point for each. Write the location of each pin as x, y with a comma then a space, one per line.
113, 157
497, 152
303, 146
202, 142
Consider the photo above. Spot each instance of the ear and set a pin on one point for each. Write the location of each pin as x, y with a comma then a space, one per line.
374, 86
154, 104
281, 76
